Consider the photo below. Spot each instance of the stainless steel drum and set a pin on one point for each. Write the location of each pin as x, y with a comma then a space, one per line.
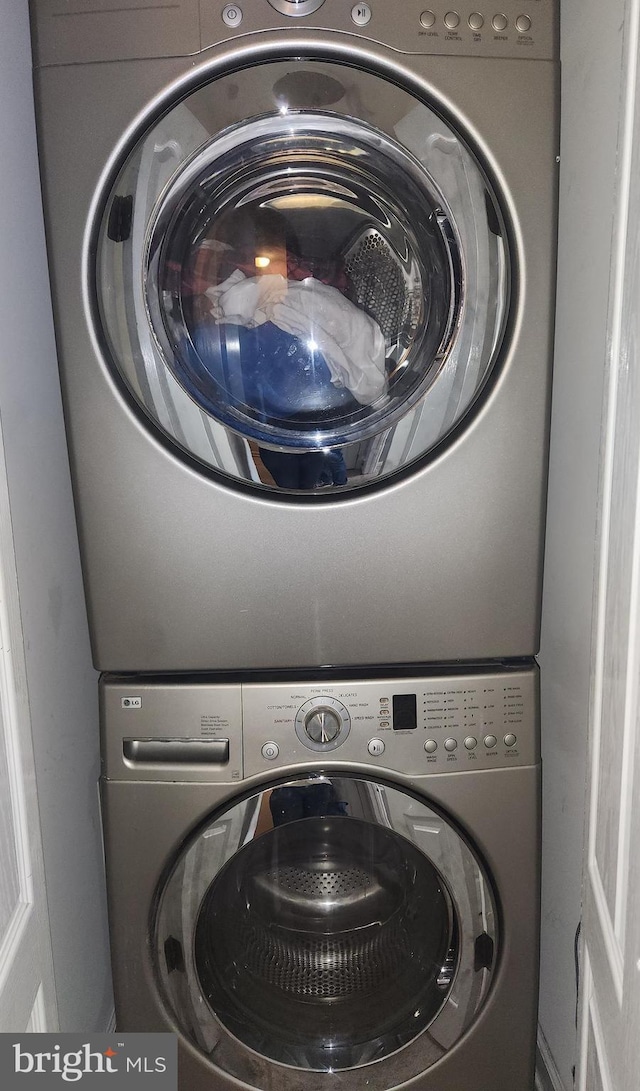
322, 943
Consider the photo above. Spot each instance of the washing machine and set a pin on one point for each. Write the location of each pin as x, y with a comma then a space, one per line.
327, 882
302, 259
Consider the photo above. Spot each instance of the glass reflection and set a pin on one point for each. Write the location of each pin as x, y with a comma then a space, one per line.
321, 297
326, 923
281, 333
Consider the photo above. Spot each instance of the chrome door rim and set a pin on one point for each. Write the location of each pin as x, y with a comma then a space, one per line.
473, 899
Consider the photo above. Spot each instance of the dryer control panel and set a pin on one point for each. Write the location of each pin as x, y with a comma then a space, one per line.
99, 30
204, 730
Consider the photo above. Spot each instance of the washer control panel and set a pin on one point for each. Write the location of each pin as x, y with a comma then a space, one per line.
204, 730
425, 725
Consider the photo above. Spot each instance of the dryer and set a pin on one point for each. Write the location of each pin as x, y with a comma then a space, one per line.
327, 882
302, 257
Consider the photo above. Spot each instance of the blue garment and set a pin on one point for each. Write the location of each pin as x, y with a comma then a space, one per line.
268, 377
275, 375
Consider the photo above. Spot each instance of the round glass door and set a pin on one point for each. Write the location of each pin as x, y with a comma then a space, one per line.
325, 924
308, 297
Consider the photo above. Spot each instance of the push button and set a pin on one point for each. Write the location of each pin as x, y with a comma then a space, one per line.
270, 751
490, 741
431, 746
476, 20
452, 20
470, 742
375, 747
510, 740
232, 15
523, 24
361, 14
428, 19
500, 22
450, 745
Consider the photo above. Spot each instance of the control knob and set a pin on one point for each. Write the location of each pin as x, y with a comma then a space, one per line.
322, 725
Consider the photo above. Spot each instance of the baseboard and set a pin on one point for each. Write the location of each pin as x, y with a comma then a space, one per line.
547, 1075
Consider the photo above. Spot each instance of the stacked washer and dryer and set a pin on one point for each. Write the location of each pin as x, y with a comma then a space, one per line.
302, 258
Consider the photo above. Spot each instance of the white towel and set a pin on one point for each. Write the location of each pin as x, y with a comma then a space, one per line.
350, 341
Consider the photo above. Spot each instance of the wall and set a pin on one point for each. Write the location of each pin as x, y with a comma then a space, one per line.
61, 682
592, 61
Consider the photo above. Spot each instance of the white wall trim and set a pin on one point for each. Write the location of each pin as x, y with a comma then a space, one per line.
13, 684
599, 1042
613, 919
610, 939
630, 194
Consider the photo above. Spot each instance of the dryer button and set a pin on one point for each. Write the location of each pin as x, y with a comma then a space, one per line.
476, 20
500, 22
270, 751
452, 20
523, 23
375, 747
427, 19
361, 14
232, 15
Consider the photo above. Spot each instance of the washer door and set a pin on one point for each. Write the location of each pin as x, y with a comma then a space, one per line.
325, 924
302, 277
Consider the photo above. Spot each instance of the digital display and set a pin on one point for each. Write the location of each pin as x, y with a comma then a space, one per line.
405, 716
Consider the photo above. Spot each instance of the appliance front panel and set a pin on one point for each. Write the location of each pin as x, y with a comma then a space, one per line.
184, 573
308, 852
499, 811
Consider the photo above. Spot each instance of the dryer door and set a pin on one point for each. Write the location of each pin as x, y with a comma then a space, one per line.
325, 924
302, 277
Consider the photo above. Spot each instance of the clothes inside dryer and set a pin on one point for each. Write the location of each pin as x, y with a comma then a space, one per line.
322, 944
299, 298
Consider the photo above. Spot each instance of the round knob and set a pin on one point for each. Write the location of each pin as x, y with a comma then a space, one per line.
322, 725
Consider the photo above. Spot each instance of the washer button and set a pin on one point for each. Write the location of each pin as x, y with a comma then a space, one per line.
500, 22
361, 14
490, 741
431, 746
510, 740
427, 19
375, 747
523, 23
450, 745
452, 20
470, 742
270, 751
476, 20
232, 15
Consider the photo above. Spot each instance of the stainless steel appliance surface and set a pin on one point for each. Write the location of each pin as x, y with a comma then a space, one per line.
302, 258
327, 881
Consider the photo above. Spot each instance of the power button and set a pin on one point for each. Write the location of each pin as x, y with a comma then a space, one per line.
232, 15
